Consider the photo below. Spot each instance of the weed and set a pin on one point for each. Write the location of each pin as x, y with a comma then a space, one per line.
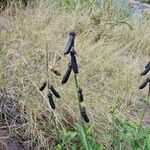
74, 67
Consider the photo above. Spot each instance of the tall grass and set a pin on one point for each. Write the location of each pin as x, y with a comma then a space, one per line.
112, 50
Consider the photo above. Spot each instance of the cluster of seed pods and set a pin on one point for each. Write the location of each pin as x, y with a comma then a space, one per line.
51, 91
146, 70
73, 66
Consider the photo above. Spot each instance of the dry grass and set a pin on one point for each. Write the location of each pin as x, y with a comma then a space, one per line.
110, 55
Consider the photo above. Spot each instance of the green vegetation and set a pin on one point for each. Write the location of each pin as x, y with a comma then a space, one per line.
112, 49
145, 1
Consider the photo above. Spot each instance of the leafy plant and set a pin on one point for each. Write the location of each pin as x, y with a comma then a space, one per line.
87, 138
81, 137
66, 137
127, 135
145, 1
73, 66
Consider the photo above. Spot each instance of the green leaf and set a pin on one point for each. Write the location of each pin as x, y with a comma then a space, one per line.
89, 130
96, 146
58, 147
70, 137
148, 141
67, 136
74, 147
135, 145
83, 136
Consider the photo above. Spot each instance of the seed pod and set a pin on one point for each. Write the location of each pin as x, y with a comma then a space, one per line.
80, 95
70, 43
54, 91
147, 69
144, 84
147, 65
74, 62
84, 115
67, 74
55, 71
51, 102
43, 86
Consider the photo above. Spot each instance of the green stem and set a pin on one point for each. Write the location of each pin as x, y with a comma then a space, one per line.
83, 125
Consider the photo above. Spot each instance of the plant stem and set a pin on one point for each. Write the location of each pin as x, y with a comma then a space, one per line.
83, 125
144, 111
48, 85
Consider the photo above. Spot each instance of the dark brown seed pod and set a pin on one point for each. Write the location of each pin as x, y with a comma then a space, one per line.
51, 101
43, 86
147, 65
70, 43
54, 91
84, 115
74, 62
67, 74
80, 95
147, 69
144, 84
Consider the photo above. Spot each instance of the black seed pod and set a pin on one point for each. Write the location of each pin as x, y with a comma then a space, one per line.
144, 84
74, 62
147, 65
80, 95
147, 69
84, 115
70, 43
54, 91
43, 86
51, 102
67, 74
